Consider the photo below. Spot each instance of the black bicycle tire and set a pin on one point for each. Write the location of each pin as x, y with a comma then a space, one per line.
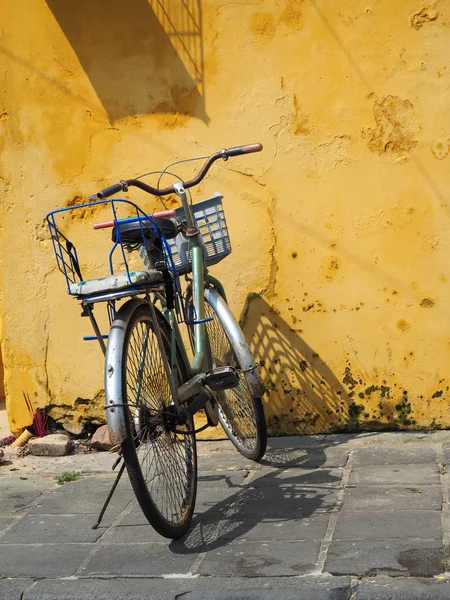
136, 476
258, 451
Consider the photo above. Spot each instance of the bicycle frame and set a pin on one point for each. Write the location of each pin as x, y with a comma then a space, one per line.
201, 360
198, 284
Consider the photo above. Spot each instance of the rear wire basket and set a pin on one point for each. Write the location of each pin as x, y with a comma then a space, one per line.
211, 222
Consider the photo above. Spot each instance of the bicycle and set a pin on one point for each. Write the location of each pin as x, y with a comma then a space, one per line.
152, 389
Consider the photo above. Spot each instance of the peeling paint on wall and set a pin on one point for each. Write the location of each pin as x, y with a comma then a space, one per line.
424, 16
395, 135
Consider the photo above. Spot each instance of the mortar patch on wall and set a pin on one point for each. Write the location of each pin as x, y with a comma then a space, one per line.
396, 131
263, 26
440, 148
426, 15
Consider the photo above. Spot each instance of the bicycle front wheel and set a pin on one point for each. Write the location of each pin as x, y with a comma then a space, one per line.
160, 456
241, 414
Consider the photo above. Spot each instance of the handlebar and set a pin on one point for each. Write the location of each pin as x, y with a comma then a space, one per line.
224, 154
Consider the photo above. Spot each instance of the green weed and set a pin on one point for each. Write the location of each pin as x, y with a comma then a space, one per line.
70, 476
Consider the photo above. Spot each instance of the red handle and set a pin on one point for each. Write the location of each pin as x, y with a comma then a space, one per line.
155, 215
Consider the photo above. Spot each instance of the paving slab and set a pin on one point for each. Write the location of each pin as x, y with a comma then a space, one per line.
295, 457
327, 440
283, 528
415, 475
42, 529
266, 477
403, 589
209, 499
85, 495
216, 499
381, 497
43, 560
92, 462
394, 558
139, 559
221, 478
413, 455
425, 525
211, 502
6, 522
132, 528
224, 461
256, 559
12, 589
202, 588
291, 502
446, 453
17, 494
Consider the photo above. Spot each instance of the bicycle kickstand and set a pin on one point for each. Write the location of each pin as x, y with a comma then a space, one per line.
110, 495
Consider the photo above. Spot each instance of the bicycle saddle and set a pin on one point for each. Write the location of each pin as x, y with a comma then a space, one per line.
131, 233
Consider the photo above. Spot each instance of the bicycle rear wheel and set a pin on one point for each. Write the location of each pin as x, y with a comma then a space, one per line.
161, 462
241, 414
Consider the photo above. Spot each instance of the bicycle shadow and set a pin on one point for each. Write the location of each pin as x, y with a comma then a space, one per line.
140, 56
290, 492
287, 495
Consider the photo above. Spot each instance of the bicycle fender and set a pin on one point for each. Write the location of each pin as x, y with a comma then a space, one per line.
237, 341
115, 413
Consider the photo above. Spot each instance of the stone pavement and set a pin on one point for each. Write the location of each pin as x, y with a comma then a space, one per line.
339, 517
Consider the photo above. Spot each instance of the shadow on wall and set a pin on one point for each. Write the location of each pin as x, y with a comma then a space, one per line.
303, 394
141, 56
2, 375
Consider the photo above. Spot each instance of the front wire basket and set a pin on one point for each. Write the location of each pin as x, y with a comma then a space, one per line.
67, 256
210, 219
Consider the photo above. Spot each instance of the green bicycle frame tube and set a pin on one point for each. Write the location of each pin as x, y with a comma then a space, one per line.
198, 282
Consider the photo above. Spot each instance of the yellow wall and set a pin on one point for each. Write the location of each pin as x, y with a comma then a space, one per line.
340, 228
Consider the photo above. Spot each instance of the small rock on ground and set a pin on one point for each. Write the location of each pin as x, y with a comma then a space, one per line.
101, 440
56, 444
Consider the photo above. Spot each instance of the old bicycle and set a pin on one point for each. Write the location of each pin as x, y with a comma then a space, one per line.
152, 389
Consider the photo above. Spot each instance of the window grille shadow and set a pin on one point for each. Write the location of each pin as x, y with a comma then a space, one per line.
303, 394
141, 56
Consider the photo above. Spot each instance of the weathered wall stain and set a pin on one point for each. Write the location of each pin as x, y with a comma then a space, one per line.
427, 303
403, 325
397, 129
292, 14
263, 25
82, 214
440, 148
300, 121
335, 153
424, 16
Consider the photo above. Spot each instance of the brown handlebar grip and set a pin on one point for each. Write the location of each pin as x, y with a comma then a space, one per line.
252, 148
238, 150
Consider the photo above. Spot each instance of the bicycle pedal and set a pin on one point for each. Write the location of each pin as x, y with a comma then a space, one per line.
222, 378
